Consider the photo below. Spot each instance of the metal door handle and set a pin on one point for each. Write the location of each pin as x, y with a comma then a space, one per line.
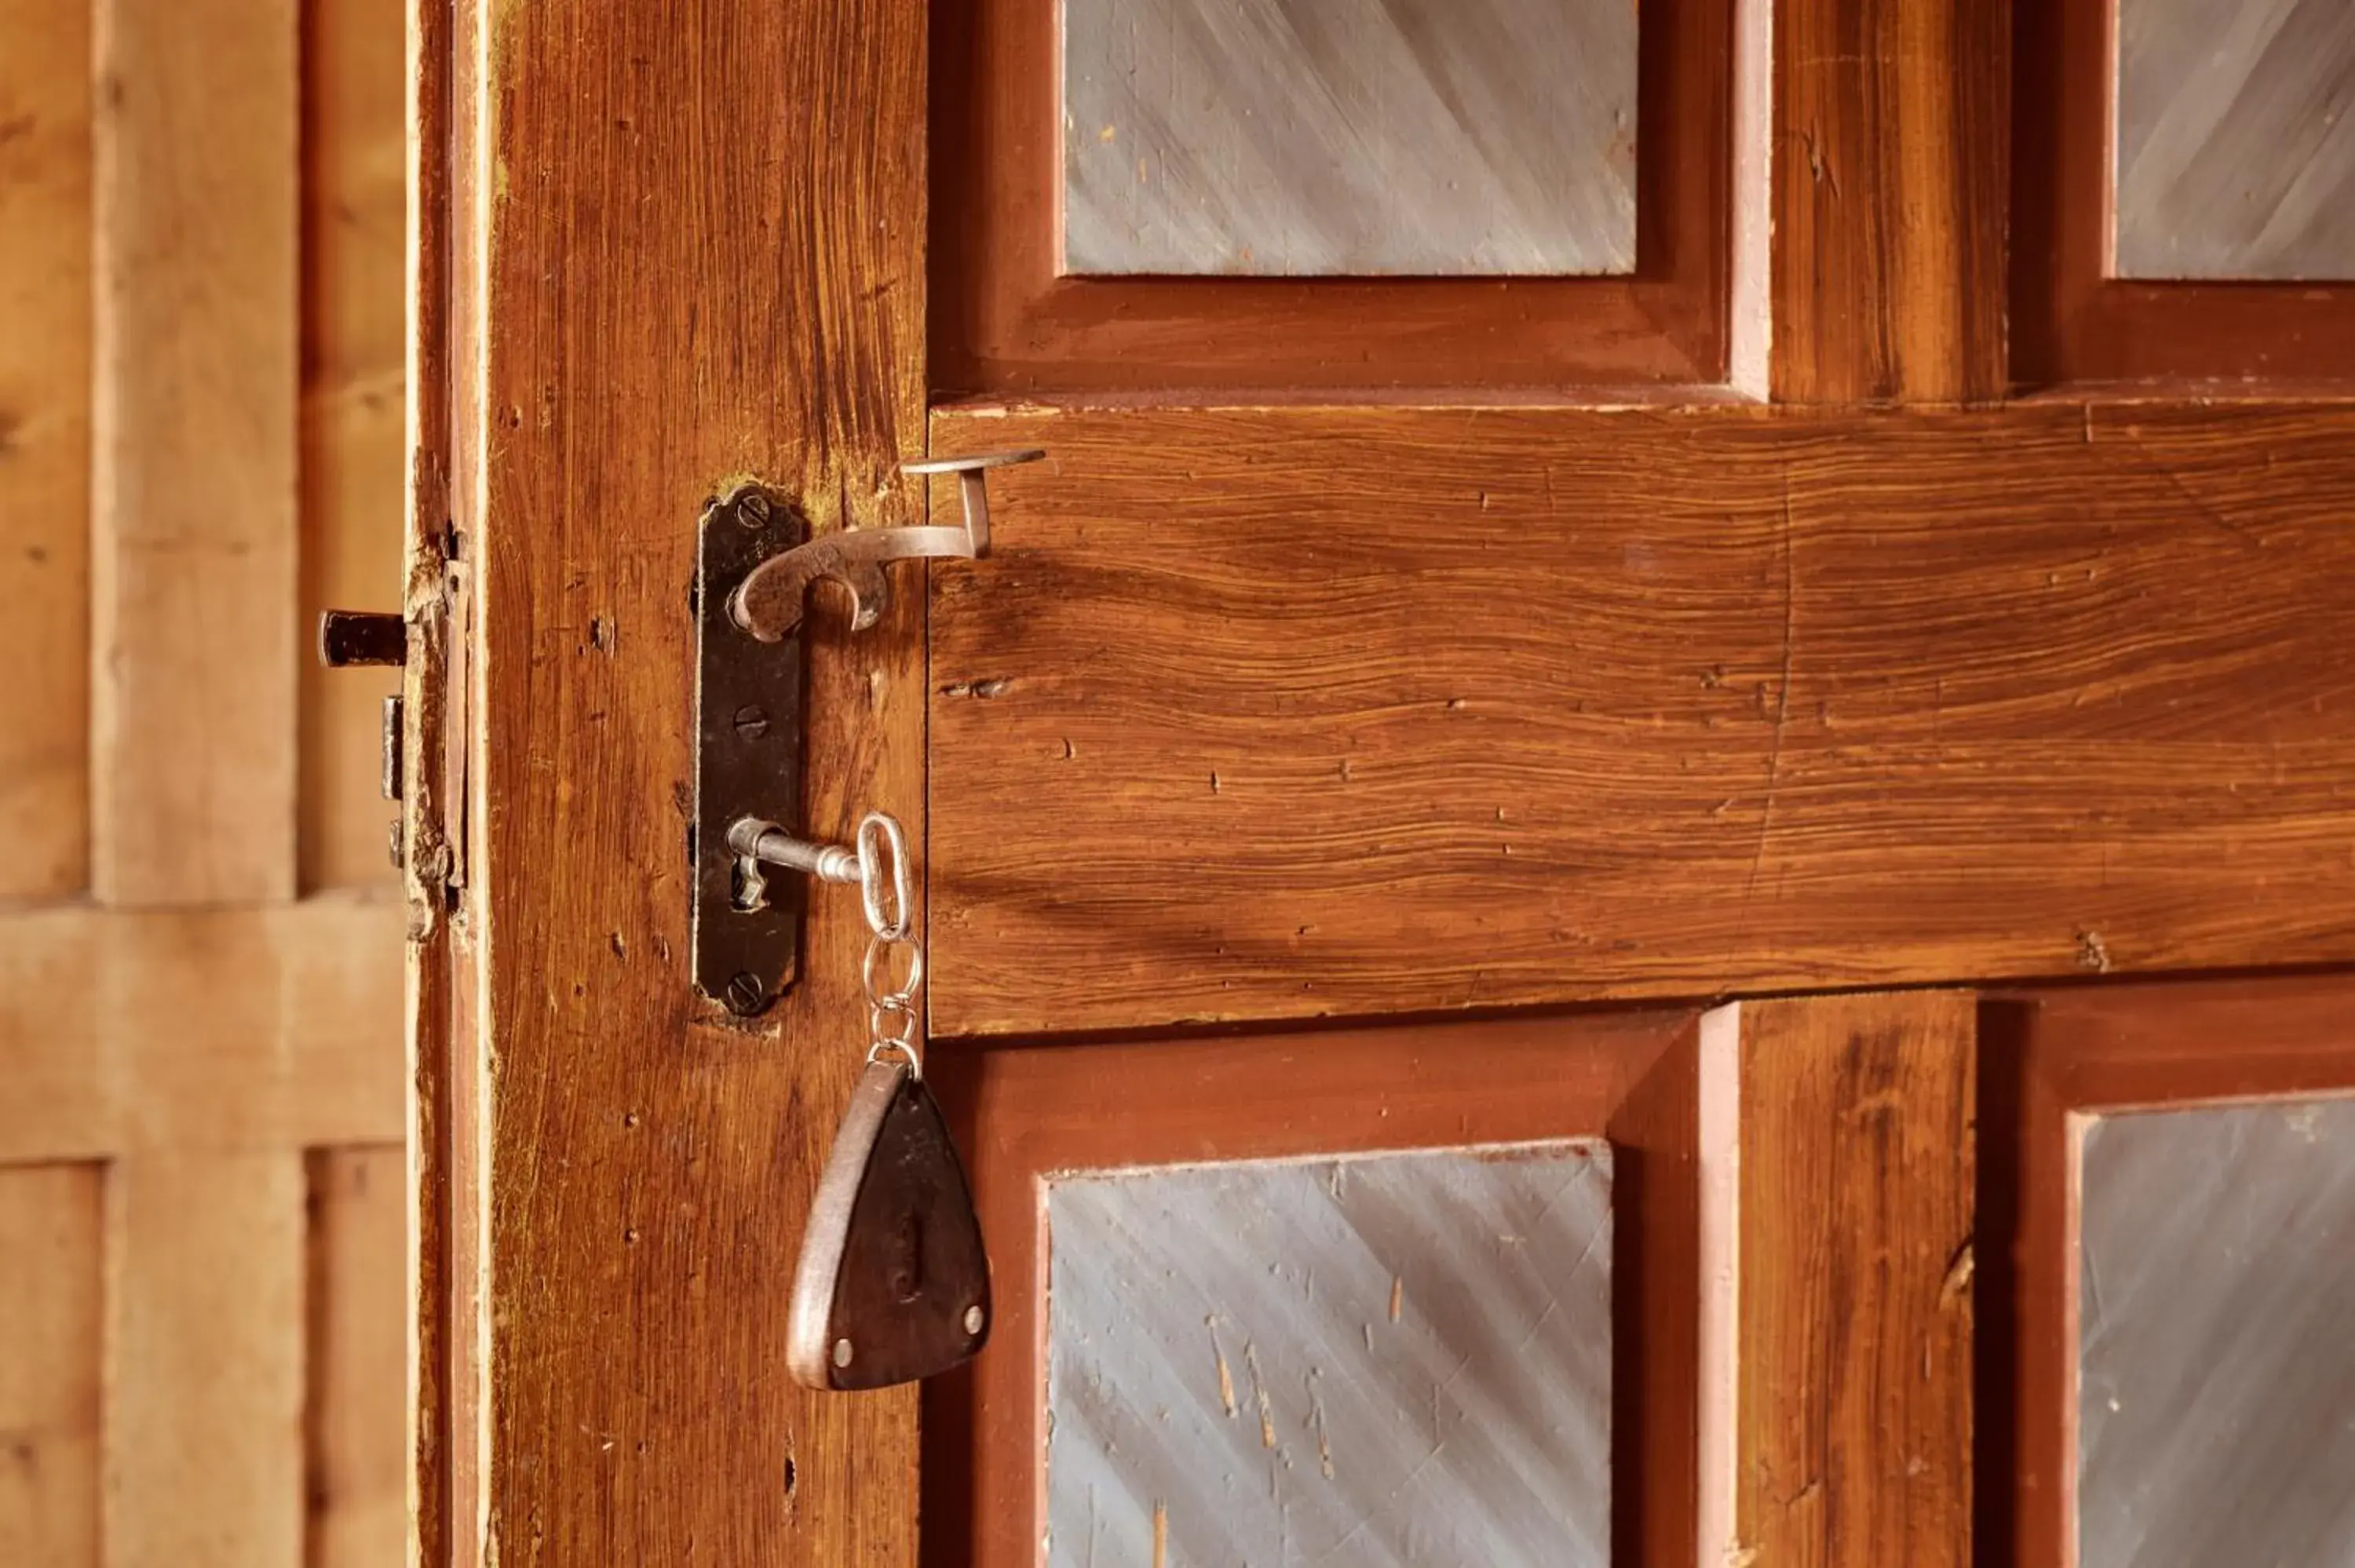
768, 603
755, 568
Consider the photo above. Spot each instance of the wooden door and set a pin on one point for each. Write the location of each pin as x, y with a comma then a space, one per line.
1599, 730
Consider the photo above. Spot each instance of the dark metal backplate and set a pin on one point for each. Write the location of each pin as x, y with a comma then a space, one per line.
748, 756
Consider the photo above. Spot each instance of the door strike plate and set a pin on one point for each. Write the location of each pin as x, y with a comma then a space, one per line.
755, 565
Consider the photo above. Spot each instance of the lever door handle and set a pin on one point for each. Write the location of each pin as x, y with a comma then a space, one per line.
768, 603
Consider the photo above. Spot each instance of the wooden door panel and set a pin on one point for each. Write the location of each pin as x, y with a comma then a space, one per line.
2075, 320
2052, 1063
1006, 319
1024, 1112
1263, 713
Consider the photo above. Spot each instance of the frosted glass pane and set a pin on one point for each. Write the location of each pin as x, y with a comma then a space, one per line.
1349, 137
1398, 1358
2236, 139
2216, 1312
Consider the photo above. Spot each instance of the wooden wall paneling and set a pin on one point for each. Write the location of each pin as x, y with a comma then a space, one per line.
1291, 713
1851, 1255
670, 281
2046, 1057
51, 1233
354, 442
204, 1396
45, 195
1891, 138
195, 447
223, 1028
2073, 325
199, 1053
356, 1464
1022, 1111
1006, 322
156, 1030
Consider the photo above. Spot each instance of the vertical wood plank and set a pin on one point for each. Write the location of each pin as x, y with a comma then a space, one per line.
50, 1240
45, 178
193, 453
204, 1396
1850, 1264
353, 446
1750, 305
1891, 163
434, 753
356, 1460
700, 254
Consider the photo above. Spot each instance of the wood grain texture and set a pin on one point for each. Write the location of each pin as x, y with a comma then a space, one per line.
1424, 139
2216, 1279
265, 1029
2047, 1058
1022, 1112
187, 1028
1006, 321
1852, 1257
439, 996
355, 1463
45, 222
665, 276
204, 1391
353, 446
1397, 1358
1891, 164
2235, 155
2072, 323
51, 1230
1276, 714
194, 445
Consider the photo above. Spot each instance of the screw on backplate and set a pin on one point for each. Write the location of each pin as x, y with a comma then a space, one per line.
752, 721
752, 510
746, 994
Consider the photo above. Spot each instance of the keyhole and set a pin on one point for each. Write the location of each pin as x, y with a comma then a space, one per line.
907, 1272
747, 890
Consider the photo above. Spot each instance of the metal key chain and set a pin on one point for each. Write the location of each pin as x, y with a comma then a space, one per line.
893, 1283
891, 1013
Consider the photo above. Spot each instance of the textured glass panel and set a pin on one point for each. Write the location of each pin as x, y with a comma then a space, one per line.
1400, 1357
1341, 137
2236, 139
2216, 1311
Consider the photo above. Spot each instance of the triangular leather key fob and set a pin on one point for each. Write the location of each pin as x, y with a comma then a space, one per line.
892, 1283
